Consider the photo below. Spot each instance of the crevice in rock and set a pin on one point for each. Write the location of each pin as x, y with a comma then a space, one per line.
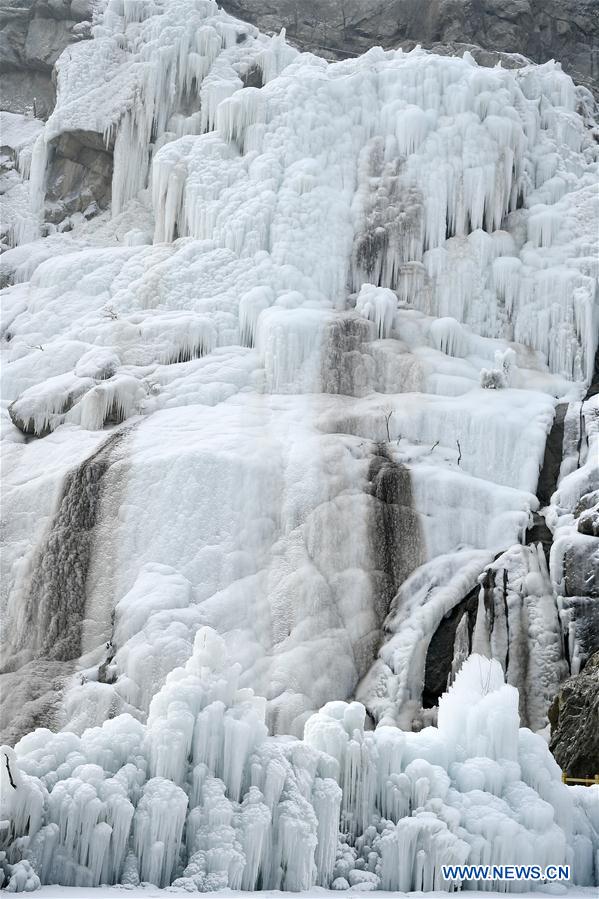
539, 532
440, 652
594, 385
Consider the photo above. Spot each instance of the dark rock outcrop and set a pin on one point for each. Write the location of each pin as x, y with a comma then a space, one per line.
538, 29
440, 654
574, 718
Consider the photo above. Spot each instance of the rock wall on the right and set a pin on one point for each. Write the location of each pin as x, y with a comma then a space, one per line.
574, 718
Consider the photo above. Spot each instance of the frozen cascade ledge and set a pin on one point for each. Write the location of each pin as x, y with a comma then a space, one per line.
202, 798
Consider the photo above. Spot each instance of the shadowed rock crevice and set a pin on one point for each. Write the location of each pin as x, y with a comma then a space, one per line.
552, 458
46, 641
440, 654
594, 386
539, 532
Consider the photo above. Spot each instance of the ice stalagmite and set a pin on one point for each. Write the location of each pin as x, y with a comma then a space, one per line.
345, 805
255, 811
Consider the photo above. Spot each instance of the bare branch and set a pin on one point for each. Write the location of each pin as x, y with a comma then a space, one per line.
12, 783
387, 420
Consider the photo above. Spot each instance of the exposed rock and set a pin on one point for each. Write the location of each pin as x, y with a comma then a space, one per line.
554, 451
574, 718
538, 29
440, 654
79, 174
580, 563
588, 522
33, 34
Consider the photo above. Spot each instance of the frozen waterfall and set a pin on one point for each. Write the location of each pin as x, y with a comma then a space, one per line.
301, 463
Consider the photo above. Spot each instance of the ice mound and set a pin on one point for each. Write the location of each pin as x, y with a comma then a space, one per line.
203, 798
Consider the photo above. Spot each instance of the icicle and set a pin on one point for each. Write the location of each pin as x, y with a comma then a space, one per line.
480, 637
251, 305
461, 648
158, 826
378, 304
448, 336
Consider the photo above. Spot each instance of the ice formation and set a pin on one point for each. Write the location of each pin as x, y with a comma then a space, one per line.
288, 400
201, 796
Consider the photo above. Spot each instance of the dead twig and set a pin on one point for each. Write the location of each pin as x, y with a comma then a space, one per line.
387, 420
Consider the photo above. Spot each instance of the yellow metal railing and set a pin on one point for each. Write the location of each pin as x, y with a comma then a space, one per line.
580, 780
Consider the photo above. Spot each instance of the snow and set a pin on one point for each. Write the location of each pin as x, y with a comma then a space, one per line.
286, 404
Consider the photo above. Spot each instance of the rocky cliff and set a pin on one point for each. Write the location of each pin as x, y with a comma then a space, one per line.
33, 34
567, 31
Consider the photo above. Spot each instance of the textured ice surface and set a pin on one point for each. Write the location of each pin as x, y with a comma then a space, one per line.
295, 386
203, 798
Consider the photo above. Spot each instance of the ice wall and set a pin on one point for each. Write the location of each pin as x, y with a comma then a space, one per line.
347, 249
202, 798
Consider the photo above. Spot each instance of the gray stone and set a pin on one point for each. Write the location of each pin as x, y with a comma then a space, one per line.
46, 39
33, 34
82, 10
79, 175
574, 719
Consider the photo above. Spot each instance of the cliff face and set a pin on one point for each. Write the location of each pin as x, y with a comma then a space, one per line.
33, 34
567, 31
